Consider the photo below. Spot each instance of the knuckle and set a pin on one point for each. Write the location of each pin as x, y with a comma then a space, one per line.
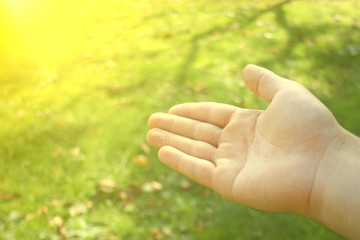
162, 140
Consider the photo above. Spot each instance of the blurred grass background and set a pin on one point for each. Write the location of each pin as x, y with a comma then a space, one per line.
80, 78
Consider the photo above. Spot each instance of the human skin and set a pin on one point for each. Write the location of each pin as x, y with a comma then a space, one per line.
291, 157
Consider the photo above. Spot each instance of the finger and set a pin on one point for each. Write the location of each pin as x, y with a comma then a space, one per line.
197, 169
214, 113
158, 138
186, 127
265, 83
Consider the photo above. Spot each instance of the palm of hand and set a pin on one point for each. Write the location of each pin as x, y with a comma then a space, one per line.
274, 154
263, 159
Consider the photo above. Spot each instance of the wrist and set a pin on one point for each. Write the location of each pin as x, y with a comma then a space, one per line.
335, 197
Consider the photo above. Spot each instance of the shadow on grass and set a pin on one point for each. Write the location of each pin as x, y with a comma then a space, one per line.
244, 21
335, 64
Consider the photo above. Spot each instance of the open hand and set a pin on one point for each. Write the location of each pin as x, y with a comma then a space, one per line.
266, 159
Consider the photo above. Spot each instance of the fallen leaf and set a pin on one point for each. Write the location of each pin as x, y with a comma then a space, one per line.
122, 195
217, 33
152, 186
147, 188
13, 216
29, 217
78, 209
8, 196
62, 122
106, 186
185, 184
167, 231
76, 151
245, 32
157, 186
56, 221
62, 233
156, 234
56, 202
89, 204
43, 210
129, 207
141, 160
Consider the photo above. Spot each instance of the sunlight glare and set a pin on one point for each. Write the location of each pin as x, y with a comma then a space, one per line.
41, 32
32, 30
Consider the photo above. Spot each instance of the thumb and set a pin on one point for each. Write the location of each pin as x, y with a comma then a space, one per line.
265, 83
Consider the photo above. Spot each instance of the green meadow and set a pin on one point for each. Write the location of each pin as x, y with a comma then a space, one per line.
79, 81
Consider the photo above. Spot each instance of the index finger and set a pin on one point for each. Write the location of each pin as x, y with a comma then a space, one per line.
218, 114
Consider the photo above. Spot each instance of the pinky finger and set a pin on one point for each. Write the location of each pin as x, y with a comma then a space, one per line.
197, 169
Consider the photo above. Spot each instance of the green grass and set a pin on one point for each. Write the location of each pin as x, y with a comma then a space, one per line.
75, 111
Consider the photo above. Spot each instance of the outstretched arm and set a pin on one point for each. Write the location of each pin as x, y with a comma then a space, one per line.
291, 157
